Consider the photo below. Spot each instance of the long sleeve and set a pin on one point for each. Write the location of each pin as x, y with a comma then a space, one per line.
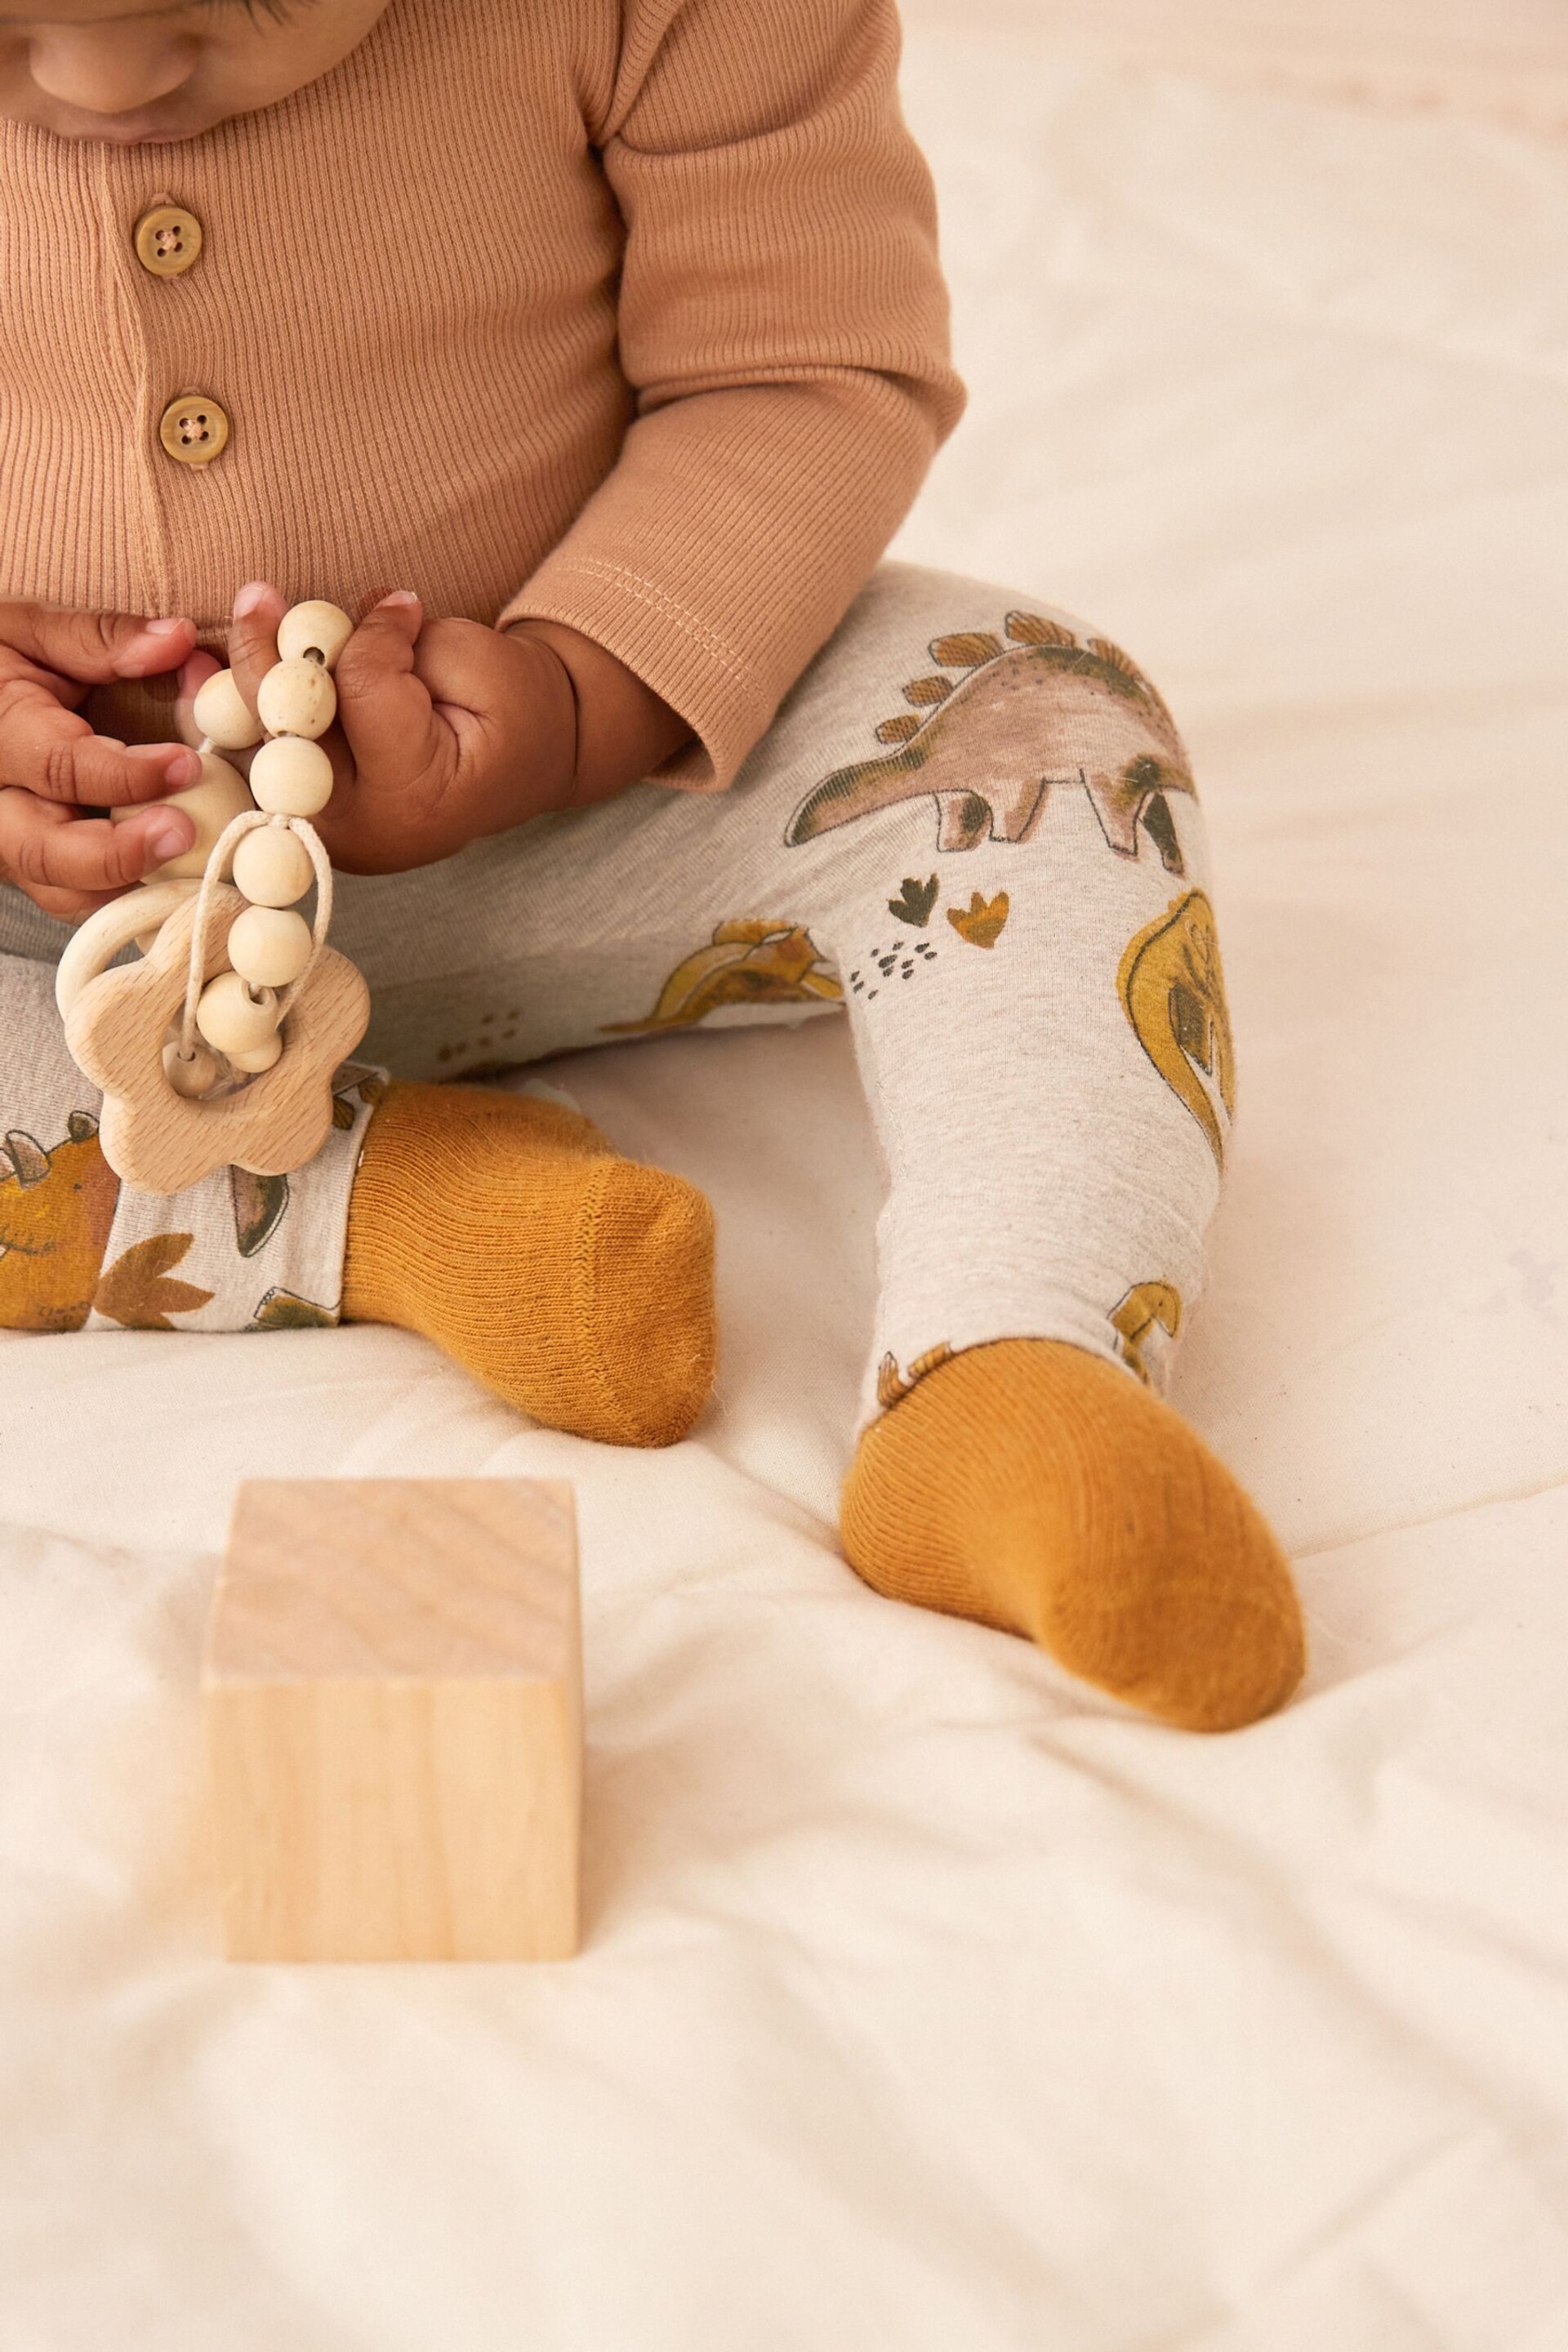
783, 324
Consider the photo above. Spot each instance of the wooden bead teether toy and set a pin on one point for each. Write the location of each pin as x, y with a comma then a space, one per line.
218, 1049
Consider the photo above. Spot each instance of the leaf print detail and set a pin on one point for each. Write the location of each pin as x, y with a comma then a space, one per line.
365, 1080
137, 1290
285, 1310
915, 902
983, 921
259, 1204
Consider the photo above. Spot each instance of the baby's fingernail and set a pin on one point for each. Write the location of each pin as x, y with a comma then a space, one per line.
250, 599
169, 838
163, 628
401, 596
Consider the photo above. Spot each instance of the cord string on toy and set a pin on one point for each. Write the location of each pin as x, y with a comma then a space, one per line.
215, 874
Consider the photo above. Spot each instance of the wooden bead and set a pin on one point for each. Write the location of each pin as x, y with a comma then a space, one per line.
291, 778
213, 803
272, 867
234, 1018
297, 697
316, 628
270, 946
192, 1078
259, 1057
224, 716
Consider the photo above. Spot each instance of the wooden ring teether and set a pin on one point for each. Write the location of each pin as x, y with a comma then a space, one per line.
245, 1078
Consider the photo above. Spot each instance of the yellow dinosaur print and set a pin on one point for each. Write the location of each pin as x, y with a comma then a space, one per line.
56, 1211
755, 962
1173, 987
891, 1385
1148, 1305
1039, 710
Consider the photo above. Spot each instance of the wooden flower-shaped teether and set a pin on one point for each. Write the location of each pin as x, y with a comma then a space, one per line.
157, 1141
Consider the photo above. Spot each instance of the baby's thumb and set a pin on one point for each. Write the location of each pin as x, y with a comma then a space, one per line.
382, 707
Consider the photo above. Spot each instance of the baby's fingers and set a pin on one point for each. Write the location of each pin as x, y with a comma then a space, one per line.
50, 852
383, 708
51, 751
253, 635
94, 647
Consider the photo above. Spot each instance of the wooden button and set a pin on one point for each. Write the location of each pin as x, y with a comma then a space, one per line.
168, 241
194, 430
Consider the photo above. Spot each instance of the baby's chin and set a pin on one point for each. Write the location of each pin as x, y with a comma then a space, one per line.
157, 127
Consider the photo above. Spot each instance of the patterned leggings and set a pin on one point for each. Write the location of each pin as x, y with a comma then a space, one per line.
972, 828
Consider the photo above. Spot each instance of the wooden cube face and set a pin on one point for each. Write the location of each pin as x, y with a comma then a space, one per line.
393, 1699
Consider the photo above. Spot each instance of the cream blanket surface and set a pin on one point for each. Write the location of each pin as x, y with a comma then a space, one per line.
928, 2001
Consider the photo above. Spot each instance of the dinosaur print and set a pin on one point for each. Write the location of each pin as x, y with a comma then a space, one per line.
56, 1211
1039, 710
1173, 987
755, 961
1150, 1306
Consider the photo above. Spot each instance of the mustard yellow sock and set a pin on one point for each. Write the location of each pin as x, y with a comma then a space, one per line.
575, 1284
1038, 1488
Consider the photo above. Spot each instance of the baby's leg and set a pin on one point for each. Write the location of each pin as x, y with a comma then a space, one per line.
578, 1284
1014, 892
974, 823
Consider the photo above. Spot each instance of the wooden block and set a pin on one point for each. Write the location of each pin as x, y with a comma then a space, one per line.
393, 1696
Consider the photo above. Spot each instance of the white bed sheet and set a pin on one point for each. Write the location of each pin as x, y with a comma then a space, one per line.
928, 2001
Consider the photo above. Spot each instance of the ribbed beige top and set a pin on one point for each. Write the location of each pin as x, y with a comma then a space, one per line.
622, 312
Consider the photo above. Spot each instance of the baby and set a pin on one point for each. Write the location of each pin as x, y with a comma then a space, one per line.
591, 350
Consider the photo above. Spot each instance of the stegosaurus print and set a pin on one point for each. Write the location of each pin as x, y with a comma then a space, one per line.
1039, 710
56, 1211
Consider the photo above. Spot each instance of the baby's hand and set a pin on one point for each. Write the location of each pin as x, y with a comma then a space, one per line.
53, 768
447, 730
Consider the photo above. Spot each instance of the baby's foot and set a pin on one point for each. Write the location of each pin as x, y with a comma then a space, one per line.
1041, 1489
575, 1284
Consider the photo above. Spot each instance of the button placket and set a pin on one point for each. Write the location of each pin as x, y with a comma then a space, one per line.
167, 241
